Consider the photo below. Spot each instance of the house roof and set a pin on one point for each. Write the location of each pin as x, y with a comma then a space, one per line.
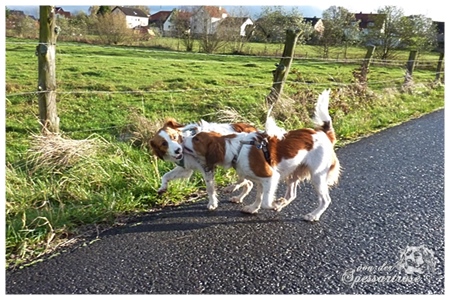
184, 15
313, 21
366, 19
160, 16
235, 21
60, 11
215, 11
128, 11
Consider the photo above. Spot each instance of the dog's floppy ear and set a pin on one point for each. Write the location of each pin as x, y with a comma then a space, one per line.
156, 150
172, 123
214, 154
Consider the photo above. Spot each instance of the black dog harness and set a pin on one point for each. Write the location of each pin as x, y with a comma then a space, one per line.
261, 145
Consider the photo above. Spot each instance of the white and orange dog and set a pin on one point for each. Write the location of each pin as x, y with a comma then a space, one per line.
273, 155
167, 144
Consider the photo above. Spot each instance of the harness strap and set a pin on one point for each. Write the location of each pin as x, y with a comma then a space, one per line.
261, 146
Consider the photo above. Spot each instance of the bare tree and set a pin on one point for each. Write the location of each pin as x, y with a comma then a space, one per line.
236, 31
273, 22
419, 33
22, 26
340, 28
386, 32
112, 28
180, 20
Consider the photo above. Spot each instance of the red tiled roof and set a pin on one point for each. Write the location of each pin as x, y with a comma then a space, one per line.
160, 16
215, 11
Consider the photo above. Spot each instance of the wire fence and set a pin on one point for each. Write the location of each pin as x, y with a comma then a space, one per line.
298, 62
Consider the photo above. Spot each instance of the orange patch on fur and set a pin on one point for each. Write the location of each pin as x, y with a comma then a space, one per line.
243, 127
258, 163
280, 149
293, 141
159, 146
210, 145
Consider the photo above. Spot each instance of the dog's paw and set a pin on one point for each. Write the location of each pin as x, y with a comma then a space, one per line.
212, 206
229, 189
278, 204
249, 209
310, 218
235, 199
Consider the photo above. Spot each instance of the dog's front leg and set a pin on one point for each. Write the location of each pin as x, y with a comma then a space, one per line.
210, 189
270, 186
291, 194
177, 173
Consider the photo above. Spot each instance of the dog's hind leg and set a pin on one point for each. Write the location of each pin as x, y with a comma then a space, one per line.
242, 182
176, 173
321, 186
248, 185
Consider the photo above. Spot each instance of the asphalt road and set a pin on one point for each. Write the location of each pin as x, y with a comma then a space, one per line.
390, 200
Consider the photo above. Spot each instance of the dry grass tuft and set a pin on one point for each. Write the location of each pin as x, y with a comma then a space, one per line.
140, 130
229, 115
55, 152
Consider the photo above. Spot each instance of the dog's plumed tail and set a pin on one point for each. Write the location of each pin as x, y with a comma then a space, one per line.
323, 122
273, 130
322, 117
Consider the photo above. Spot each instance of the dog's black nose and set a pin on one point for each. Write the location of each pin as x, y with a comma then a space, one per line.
178, 151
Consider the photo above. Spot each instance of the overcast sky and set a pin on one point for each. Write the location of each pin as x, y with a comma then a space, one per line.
431, 8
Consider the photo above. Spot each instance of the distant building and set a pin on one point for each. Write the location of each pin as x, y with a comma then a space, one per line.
206, 19
159, 19
135, 18
60, 13
180, 19
367, 22
316, 23
237, 25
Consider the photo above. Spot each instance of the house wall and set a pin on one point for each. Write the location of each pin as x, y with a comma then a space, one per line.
201, 22
247, 22
132, 21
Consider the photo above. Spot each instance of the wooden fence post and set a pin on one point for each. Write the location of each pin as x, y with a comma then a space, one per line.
46, 68
369, 55
281, 72
439, 67
410, 66
361, 76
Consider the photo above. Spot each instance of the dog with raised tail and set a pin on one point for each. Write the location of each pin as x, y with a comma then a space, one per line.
276, 154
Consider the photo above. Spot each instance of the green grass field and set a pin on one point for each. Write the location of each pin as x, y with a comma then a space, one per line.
106, 93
